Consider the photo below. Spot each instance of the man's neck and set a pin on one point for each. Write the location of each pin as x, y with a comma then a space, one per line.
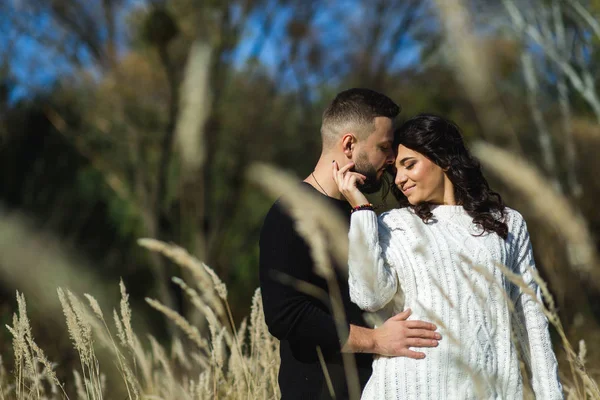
322, 178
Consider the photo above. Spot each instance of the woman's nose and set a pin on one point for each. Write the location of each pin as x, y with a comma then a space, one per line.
400, 178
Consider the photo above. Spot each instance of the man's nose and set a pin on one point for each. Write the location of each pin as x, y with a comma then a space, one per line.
391, 158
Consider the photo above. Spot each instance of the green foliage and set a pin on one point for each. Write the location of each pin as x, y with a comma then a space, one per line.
160, 27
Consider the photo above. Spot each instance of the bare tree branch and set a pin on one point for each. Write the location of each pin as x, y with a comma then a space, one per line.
82, 25
565, 107
544, 137
582, 81
586, 16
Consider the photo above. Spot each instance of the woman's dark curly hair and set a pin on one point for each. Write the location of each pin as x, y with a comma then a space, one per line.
440, 141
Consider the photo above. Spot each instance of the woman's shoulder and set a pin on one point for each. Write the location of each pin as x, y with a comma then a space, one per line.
514, 218
517, 226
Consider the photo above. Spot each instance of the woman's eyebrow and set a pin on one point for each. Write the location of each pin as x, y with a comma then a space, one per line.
405, 159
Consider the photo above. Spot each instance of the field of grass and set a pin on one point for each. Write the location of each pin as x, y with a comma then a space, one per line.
223, 360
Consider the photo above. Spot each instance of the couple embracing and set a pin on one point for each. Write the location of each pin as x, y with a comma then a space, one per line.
455, 327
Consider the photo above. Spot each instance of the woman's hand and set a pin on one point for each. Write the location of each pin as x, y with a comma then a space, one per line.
346, 181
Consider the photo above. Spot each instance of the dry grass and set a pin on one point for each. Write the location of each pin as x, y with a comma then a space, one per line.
312, 223
325, 231
539, 198
558, 213
233, 363
548, 204
230, 362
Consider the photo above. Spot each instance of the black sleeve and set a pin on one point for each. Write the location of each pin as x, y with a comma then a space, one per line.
289, 313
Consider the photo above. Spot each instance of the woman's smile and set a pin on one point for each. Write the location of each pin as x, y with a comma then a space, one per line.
407, 190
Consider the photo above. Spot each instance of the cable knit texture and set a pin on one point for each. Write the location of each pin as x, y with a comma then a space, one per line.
429, 267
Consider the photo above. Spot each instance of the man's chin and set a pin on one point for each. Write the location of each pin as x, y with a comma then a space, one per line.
370, 187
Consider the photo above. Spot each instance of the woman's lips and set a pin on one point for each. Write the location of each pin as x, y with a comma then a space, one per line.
408, 190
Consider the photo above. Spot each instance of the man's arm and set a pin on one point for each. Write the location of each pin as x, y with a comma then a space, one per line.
393, 338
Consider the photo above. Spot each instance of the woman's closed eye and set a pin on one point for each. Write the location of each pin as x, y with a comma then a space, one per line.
410, 166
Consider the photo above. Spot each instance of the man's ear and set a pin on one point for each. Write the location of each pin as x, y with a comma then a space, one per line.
348, 143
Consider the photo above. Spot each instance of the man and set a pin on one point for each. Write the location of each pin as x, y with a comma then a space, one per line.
356, 128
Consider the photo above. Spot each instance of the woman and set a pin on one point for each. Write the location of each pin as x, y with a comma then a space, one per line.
439, 255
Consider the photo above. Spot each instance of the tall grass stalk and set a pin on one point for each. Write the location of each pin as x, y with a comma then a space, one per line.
234, 363
550, 206
326, 232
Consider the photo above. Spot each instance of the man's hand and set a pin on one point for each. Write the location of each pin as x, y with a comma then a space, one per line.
393, 338
397, 334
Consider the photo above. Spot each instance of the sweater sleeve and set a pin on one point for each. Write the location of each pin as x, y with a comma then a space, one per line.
531, 324
291, 314
373, 283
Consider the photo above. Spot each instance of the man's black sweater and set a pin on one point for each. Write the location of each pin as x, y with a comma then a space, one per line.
299, 321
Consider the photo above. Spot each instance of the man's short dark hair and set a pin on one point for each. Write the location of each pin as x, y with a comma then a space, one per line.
355, 110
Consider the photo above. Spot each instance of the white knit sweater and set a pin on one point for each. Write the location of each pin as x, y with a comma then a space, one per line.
432, 269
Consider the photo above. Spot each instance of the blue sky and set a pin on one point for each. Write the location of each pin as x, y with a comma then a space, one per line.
326, 30
34, 65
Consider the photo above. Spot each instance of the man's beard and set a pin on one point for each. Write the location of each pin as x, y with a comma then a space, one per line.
373, 183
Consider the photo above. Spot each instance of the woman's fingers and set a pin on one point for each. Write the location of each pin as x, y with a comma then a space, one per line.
345, 168
350, 180
346, 181
335, 171
340, 174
